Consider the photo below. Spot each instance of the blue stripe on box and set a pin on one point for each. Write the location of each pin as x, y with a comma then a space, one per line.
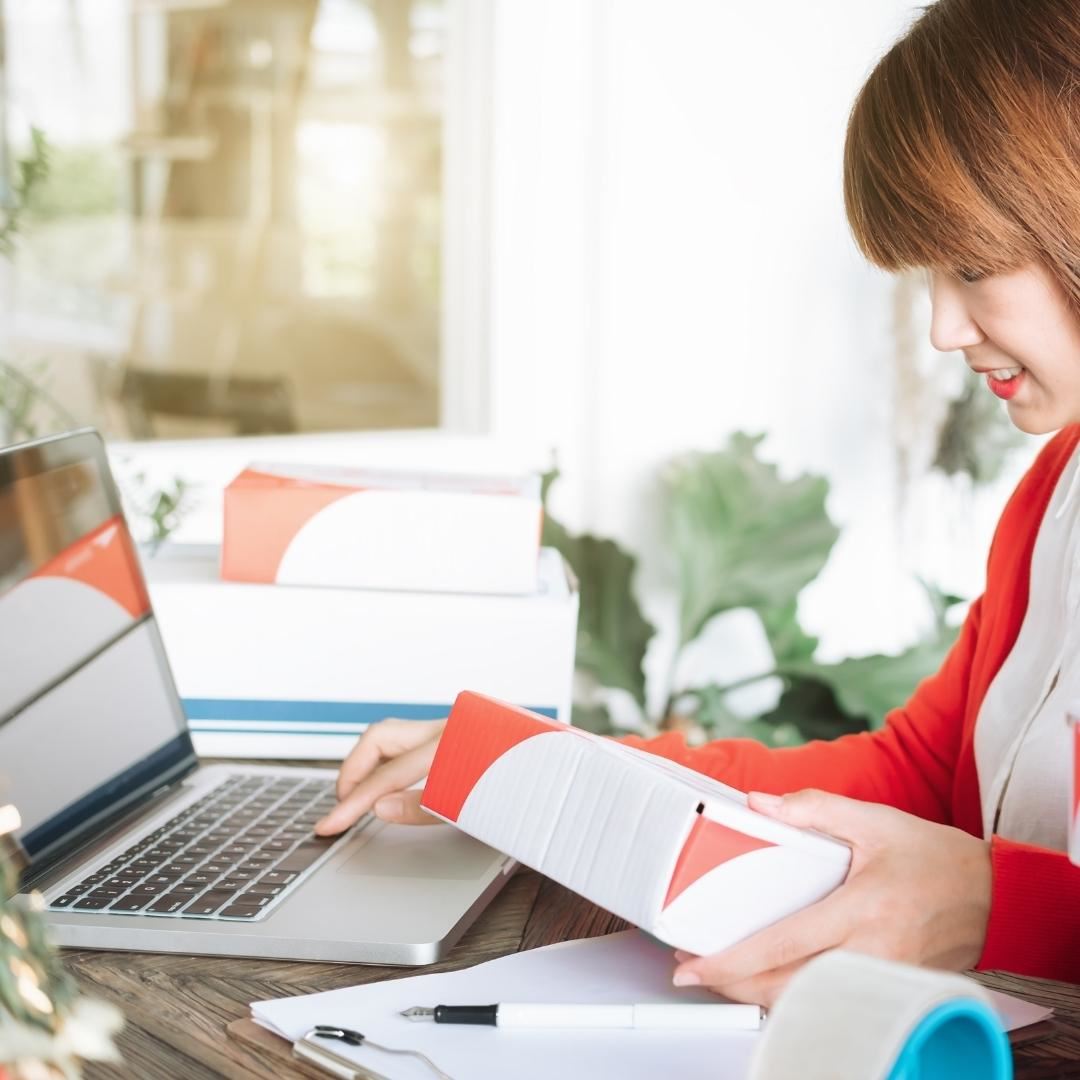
199, 727
333, 717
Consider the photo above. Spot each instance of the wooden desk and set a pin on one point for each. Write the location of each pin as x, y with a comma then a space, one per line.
177, 1006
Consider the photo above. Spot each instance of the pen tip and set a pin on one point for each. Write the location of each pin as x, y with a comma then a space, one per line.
417, 1012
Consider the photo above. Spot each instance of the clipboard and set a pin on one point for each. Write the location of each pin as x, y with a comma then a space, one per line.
314, 1059
275, 1050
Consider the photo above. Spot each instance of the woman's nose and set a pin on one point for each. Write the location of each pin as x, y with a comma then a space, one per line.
951, 326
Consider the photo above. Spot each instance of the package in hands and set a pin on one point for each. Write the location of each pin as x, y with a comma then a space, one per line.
671, 850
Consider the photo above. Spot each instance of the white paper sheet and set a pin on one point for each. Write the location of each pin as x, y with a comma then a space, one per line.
626, 967
1015, 1012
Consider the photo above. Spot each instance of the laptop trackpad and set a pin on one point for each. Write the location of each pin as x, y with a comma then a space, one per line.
422, 851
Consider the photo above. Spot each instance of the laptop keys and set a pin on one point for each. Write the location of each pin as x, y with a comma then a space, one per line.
260, 889
122, 882
131, 902
250, 834
277, 878
91, 903
234, 884
253, 899
208, 903
186, 889
240, 911
167, 904
149, 890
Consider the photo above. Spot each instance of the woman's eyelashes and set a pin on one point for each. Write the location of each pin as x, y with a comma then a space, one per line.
970, 277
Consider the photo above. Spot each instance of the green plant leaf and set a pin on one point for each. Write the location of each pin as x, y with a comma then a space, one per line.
940, 603
811, 706
708, 707
789, 643
869, 687
594, 718
977, 437
612, 632
742, 536
30, 172
546, 480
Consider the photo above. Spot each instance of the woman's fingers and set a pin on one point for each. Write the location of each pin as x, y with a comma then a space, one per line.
361, 759
836, 815
391, 777
403, 809
790, 941
762, 989
386, 739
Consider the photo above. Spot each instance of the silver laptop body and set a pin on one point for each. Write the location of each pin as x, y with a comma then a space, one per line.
132, 842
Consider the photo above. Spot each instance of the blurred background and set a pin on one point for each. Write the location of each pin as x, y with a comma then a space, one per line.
241, 229
602, 233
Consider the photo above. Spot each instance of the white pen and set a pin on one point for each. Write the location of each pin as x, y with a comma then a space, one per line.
668, 1017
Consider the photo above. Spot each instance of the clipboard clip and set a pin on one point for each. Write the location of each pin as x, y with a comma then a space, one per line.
317, 1053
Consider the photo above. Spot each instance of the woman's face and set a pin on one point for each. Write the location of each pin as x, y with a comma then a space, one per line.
1019, 333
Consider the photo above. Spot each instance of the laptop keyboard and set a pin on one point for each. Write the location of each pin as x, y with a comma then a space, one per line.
233, 854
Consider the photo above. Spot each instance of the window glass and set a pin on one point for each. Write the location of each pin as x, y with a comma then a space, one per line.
240, 231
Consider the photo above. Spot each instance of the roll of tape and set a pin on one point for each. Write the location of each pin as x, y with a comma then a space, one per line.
851, 1017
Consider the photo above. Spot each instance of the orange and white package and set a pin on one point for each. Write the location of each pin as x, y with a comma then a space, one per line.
362, 528
674, 852
272, 672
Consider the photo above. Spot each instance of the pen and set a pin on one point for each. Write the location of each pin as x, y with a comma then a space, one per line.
719, 1017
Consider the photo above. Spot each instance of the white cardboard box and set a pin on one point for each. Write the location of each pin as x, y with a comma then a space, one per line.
673, 851
382, 529
270, 671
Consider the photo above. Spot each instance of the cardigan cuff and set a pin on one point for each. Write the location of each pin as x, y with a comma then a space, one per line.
1034, 926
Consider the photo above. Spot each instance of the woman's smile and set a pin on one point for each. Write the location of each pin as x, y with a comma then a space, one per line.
1005, 381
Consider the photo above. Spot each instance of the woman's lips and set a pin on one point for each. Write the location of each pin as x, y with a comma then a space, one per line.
1005, 388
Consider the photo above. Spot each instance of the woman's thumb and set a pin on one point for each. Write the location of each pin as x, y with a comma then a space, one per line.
403, 808
835, 815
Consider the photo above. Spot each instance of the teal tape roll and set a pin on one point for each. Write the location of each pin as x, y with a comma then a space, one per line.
962, 1038
848, 1016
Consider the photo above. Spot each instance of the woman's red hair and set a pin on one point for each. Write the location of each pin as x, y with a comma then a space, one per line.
963, 147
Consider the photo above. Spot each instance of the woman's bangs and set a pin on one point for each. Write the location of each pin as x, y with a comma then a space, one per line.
912, 200
899, 226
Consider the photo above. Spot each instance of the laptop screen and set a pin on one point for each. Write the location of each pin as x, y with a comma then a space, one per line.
89, 718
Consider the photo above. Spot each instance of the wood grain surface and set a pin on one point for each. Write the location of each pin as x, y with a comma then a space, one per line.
177, 1007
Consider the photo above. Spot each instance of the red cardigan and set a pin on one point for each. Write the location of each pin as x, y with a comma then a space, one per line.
923, 760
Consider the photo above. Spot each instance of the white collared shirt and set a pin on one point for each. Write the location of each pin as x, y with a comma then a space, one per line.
1023, 747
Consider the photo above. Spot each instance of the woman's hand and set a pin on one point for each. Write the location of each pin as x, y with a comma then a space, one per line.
916, 892
386, 761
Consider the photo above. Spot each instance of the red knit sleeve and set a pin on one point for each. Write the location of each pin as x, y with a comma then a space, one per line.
909, 764
1034, 912
915, 762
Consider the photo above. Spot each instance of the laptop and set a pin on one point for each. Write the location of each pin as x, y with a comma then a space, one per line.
131, 841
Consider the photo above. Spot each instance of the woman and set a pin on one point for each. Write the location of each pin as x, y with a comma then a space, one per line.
962, 158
